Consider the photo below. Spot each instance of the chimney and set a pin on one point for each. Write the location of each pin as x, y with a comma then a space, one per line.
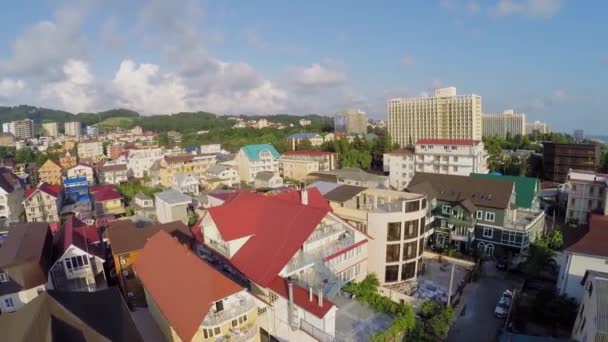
304, 194
310, 293
320, 298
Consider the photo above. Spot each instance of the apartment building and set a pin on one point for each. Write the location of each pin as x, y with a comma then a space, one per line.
172, 205
586, 195
559, 159
7, 139
140, 160
478, 215
11, 195
43, 203
187, 183
50, 129
358, 177
189, 299
50, 173
296, 169
592, 320
92, 149
319, 253
502, 125
451, 156
445, 115
220, 176
21, 129
401, 167
351, 121
296, 139
196, 164
82, 170
25, 259
537, 127
68, 161
328, 161
73, 129
92, 130
112, 174
252, 159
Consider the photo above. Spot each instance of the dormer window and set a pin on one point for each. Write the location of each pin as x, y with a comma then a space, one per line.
3, 277
219, 306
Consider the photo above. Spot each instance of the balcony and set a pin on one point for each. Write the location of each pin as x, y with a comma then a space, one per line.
220, 247
235, 310
460, 221
245, 334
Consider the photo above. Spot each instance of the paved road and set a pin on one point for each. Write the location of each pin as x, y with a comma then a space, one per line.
477, 323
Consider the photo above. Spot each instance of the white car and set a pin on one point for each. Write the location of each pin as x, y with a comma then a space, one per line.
502, 308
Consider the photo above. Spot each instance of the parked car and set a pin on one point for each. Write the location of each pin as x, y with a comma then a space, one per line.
502, 308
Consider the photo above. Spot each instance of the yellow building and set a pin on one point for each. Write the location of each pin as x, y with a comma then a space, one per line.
193, 302
50, 172
68, 161
69, 145
297, 169
196, 164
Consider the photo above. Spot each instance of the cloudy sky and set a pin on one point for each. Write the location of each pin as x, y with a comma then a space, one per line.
547, 58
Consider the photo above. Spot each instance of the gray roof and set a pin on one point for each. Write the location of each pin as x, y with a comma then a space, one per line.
264, 176
359, 175
142, 196
173, 197
180, 177
217, 169
323, 187
343, 193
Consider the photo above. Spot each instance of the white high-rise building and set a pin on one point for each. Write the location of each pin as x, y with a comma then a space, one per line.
73, 128
50, 129
501, 125
451, 157
445, 115
351, 121
537, 127
23, 129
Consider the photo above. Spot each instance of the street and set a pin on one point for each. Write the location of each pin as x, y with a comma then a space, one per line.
477, 322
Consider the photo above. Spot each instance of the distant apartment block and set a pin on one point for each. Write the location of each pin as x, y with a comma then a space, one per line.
586, 195
445, 115
559, 159
537, 127
92, 149
502, 125
50, 129
21, 129
351, 121
579, 134
73, 129
92, 130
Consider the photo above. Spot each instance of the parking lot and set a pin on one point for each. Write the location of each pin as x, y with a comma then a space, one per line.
356, 322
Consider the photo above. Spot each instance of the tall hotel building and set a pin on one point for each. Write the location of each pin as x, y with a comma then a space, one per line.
73, 129
442, 116
351, 121
50, 129
499, 125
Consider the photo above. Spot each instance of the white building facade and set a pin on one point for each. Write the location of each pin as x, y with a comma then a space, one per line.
73, 129
450, 156
586, 193
401, 166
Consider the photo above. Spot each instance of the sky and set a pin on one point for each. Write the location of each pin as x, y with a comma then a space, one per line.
546, 58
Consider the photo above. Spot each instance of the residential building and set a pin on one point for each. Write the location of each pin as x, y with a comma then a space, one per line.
196, 164
78, 258
252, 159
172, 205
578, 135
189, 299
21, 129
211, 148
296, 139
7, 139
43, 203
537, 127
396, 223
527, 189
11, 195
445, 115
143, 205
112, 174
56, 316
351, 121
319, 253
358, 177
451, 157
589, 253
296, 169
107, 201
304, 122
25, 259
328, 161
68, 161
267, 180
141, 160
73, 129
50, 129
115, 150
221, 175
502, 125
127, 241
50, 173
82, 170
186, 183
592, 320
137, 130
401, 166
478, 215
558, 159
92, 149
587, 194
92, 130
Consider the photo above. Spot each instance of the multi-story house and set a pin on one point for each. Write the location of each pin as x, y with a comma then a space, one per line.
296, 139
527, 189
450, 156
112, 174
82, 170
559, 159
187, 183
194, 163
68, 161
328, 161
586, 194
478, 214
91, 149
297, 169
319, 253
25, 258
401, 166
126, 242
252, 159
267, 180
396, 223
219, 176
140, 160
592, 320
172, 205
43, 203
189, 299
50, 173
78, 258
107, 201
115, 150
589, 253
11, 195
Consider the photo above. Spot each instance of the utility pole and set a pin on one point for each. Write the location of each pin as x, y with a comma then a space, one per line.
451, 282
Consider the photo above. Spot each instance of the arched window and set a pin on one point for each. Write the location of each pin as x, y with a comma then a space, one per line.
490, 249
481, 247
265, 154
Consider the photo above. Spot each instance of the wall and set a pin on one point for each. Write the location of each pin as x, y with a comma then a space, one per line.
20, 298
573, 268
161, 321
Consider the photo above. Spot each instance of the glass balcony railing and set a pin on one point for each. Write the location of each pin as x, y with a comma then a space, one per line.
233, 312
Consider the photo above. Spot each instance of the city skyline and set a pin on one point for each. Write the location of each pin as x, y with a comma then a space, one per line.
157, 58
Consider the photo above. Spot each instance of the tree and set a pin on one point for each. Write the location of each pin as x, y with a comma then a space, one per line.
163, 139
304, 145
434, 323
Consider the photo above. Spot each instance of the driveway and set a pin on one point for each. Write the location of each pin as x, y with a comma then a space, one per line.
477, 322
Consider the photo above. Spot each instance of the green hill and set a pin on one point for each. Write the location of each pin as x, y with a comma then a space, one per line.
117, 122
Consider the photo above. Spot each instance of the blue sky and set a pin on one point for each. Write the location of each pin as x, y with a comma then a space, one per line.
547, 58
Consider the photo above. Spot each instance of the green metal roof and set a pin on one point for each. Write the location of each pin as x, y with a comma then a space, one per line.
253, 151
526, 188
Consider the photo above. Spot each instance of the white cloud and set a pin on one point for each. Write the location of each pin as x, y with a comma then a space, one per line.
317, 75
528, 8
10, 87
76, 92
408, 61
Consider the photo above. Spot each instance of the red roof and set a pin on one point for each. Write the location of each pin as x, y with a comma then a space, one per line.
301, 297
594, 241
47, 188
182, 285
460, 142
309, 153
277, 229
102, 187
315, 199
75, 232
106, 195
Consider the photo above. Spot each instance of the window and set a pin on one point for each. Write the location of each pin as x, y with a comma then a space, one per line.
273, 297
394, 231
219, 306
490, 216
391, 274
234, 323
408, 270
8, 302
392, 252
455, 168
455, 159
590, 288
243, 319
488, 232
445, 209
261, 311
479, 215
411, 229
3, 277
412, 206
217, 331
409, 250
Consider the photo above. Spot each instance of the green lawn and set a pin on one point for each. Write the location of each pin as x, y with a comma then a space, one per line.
116, 122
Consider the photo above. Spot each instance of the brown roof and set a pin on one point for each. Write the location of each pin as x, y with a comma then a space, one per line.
594, 241
179, 159
343, 193
491, 193
112, 168
125, 237
183, 286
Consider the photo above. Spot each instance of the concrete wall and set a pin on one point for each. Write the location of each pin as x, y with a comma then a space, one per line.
573, 268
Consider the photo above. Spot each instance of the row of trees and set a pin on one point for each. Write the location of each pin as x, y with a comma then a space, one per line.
26, 155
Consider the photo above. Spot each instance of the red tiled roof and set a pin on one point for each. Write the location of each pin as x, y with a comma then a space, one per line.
102, 187
460, 142
75, 232
106, 195
594, 241
182, 285
47, 188
301, 297
315, 199
309, 153
277, 229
